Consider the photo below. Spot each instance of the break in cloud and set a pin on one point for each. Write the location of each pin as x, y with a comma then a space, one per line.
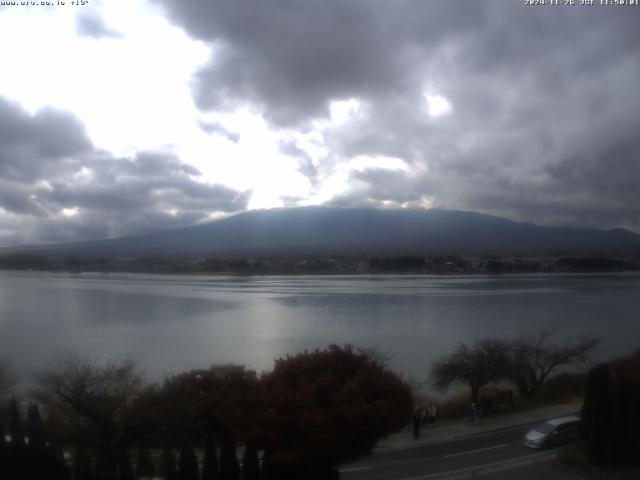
544, 109
55, 186
522, 111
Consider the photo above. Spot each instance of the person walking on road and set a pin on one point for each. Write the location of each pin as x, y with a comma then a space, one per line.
417, 422
474, 414
431, 413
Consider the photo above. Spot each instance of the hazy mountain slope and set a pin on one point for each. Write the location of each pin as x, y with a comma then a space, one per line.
318, 230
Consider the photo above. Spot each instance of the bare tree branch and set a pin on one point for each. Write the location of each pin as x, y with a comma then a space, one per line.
534, 357
484, 362
95, 396
377, 354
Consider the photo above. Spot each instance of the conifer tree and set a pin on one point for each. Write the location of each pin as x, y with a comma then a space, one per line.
15, 424
269, 469
82, 468
51, 428
5, 466
3, 444
188, 464
229, 467
35, 456
104, 469
210, 461
56, 464
35, 427
125, 469
16, 448
250, 463
144, 464
167, 468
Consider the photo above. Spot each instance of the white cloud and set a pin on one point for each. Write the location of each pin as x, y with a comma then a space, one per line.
253, 162
437, 105
344, 110
132, 91
70, 212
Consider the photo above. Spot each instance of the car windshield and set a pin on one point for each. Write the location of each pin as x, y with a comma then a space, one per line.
545, 427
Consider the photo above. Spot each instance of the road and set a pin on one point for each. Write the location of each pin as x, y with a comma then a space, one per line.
482, 454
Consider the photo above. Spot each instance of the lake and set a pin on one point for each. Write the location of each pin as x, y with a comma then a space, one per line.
171, 323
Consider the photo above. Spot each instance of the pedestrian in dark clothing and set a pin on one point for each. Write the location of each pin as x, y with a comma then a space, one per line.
417, 422
475, 413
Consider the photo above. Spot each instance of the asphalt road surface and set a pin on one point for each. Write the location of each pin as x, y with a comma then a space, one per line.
483, 454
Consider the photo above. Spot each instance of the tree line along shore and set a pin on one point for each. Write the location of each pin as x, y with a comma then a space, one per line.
327, 264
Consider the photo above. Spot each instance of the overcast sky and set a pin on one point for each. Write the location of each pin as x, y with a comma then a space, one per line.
125, 116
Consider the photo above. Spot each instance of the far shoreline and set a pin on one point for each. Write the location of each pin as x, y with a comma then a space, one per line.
621, 273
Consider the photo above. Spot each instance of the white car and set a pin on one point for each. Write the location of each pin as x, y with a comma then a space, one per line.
552, 432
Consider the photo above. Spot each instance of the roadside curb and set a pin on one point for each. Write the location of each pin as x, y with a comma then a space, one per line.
536, 416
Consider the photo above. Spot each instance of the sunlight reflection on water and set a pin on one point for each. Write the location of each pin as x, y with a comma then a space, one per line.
174, 323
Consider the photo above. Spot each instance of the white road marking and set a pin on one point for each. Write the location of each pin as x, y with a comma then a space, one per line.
514, 465
460, 477
354, 469
502, 468
516, 461
468, 452
404, 447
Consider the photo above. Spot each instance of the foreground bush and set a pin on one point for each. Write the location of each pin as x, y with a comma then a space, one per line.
328, 407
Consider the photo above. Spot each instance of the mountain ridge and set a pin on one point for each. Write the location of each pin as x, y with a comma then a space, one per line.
335, 230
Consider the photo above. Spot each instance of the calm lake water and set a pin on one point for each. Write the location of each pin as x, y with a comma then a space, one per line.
174, 323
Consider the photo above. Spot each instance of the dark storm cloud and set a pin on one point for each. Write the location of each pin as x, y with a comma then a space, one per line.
16, 198
90, 24
48, 168
149, 181
105, 224
291, 57
545, 104
28, 144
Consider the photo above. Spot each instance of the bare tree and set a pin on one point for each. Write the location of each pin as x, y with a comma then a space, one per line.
7, 379
484, 362
377, 354
96, 398
534, 357
82, 386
